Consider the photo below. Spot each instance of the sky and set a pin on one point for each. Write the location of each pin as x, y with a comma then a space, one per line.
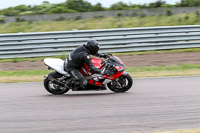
105, 3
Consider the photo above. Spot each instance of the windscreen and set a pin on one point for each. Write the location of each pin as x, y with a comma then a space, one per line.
116, 59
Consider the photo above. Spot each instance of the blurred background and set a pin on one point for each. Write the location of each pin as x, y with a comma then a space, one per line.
73, 15
62, 15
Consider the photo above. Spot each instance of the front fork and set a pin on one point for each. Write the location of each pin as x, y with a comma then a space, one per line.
117, 83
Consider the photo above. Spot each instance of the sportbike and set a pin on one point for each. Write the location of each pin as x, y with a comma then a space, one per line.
114, 78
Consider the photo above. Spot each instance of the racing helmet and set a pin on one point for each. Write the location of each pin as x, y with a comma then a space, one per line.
92, 46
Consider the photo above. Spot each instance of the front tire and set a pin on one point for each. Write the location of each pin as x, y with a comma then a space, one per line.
54, 88
121, 84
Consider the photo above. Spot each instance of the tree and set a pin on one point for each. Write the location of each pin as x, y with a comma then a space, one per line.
22, 8
188, 3
183, 3
10, 12
45, 2
135, 6
158, 3
42, 9
98, 7
195, 2
79, 5
27, 13
61, 9
143, 6
119, 6
58, 9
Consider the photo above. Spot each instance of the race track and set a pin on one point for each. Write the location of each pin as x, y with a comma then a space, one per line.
153, 104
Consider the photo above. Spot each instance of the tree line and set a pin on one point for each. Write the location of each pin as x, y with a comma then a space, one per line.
71, 6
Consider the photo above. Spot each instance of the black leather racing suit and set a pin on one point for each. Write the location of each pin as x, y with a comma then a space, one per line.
76, 59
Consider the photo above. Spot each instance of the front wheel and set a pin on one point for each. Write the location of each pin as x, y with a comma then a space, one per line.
54, 88
121, 84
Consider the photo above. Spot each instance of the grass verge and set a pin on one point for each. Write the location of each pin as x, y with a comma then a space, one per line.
101, 23
163, 71
159, 51
22, 76
33, 59
135, 72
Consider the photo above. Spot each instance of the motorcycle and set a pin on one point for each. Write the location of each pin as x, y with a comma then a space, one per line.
115, 78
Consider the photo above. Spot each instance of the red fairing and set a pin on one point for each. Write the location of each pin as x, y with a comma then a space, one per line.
116, 75
118, 67
96, 62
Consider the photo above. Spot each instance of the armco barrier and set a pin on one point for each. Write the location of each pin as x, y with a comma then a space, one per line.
111, 40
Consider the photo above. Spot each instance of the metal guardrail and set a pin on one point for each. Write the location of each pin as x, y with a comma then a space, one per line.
111, 40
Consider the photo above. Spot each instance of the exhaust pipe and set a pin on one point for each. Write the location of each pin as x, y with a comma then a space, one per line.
56, 81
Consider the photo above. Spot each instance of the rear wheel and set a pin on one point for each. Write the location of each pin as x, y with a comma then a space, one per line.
121, 84
54, 88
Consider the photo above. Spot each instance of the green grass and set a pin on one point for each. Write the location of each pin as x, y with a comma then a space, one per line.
32, 59
159, 51
22, 76
164, 68
164, 71
15, 60
100, 23
24, 73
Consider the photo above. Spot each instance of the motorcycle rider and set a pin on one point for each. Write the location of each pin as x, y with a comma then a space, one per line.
81, 55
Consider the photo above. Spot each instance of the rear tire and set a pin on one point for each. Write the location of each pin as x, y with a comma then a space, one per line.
121, 84
54, 88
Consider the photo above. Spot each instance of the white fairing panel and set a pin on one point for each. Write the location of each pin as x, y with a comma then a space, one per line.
56, 64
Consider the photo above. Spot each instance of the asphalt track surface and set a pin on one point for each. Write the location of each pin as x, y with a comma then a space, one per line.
153, 104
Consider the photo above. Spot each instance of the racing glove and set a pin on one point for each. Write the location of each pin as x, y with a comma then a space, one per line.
104, 55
